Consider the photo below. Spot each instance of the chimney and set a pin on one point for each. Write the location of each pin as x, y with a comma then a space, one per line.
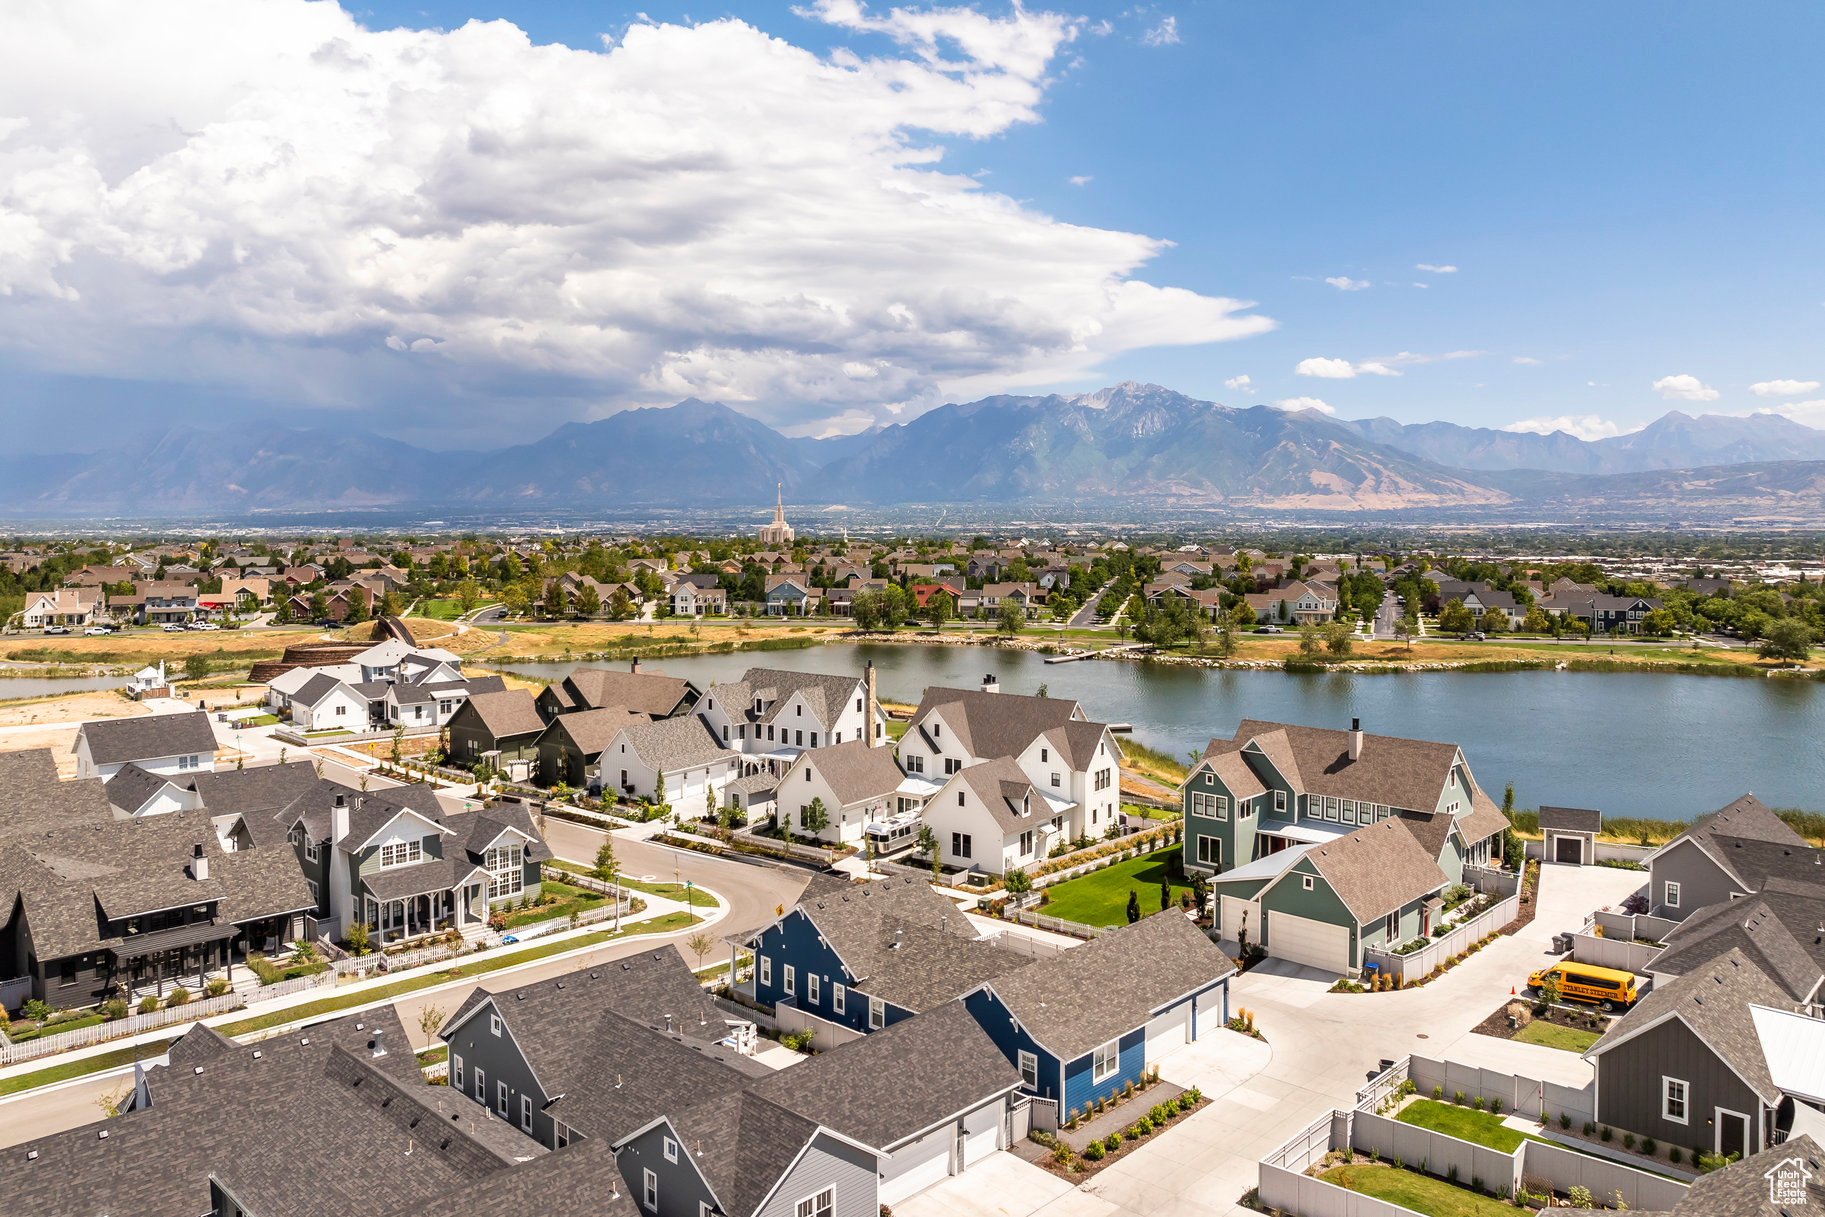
990, 684
339, 819
199, 865
870, 705
635, 666
1355, 738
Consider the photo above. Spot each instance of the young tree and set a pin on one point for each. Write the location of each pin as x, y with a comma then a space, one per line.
1017, 882
589, 601
1310, 641
700, 944
320, 607
557, 601
620, 605
940, 608
1165, 894
468, 596
513, 598
1536, 621
606, 865
1407, 627
893, 607
1339, 639
1495, 621
391, 605
430, 1021
927, 844
1134, 906
1010, 616
358, 608
1228, 635
814, 818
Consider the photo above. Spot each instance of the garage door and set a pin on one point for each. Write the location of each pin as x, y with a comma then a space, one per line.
984, 1128
1210, 1012
1168, 1031
1568, 849
1230, 913
917, 1166
1316, 944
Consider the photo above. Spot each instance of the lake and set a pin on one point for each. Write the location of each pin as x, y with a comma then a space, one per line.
12, 687
1647, 744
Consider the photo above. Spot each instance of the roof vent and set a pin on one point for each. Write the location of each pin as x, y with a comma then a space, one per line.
102, 1135
31, 1155
256, 1054
198, 1069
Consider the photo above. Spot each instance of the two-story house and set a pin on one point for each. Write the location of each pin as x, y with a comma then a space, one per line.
677, 761
853, 783
698, 596
1045, 774
638, 691
162, 744
770, 715
1732, 853
74, 607
501, 728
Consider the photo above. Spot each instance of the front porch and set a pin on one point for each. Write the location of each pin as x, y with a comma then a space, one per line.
426, 914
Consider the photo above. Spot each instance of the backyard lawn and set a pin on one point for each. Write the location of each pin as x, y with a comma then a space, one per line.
1464, 1123
1412, 1190
1101, 897
570, 900
1552, 1035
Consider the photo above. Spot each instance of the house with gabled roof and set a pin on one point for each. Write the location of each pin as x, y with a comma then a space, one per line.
856, 785
1081, 1024
502, 728
639, 690
674, 760
1777, 928
770, 715
1728, 854
158, 743
571, 747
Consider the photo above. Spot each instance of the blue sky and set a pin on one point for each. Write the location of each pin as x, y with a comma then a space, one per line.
1628, 194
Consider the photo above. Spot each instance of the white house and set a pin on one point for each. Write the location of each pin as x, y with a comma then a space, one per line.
135, 792
990, 817
327, 704
283, 687
681, 751
427, 704
1072, 761
70, 606
776, 715
857, 784
160, 744
147, 679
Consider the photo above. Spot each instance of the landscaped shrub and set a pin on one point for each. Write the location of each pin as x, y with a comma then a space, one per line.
1458, 1097
1674, 1156
1061, 1154
35, 1010
1495, 1105
114, 1008
1094, 1151
1589, 1128
1186, 1102
1113, 1140
1141, 1127
217, 986
148, 1004
1438, 1092
1128, 1089
1158, 1114
1604, 1133
179, 996
1628, 1140
1650, 1146
1477, 1103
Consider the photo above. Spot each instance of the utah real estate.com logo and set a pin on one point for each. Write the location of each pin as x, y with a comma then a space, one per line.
1787, 1182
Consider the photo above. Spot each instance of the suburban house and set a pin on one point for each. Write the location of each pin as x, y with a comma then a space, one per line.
1604, 613
571, 746
75, 607
698, 596
180, 1143
500, 728
1777, 929
771, 715
790, 596
651, 693
864, 956
1300, 603
421, 705
164, 601
1730, 853
674, 760
101, 905
1052, 776
324, 703
1082, 1024
855, 784
395, 861
1570, 834
157, 743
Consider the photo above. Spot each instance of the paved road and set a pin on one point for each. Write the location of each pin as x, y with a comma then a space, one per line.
1085, 617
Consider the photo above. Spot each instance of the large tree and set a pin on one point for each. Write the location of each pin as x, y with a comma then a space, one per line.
1454, 618
589, 601
1788, 641
1010, 617
940, 608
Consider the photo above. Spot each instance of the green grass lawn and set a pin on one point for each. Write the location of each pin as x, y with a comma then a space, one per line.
78, 1068
257, 720
572, 900
479, 967
1464, 1123
671, 891
1101, 897
1552, 1035
444, 609
1412, 1190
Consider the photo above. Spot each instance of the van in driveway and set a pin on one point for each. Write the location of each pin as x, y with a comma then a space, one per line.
1606, 988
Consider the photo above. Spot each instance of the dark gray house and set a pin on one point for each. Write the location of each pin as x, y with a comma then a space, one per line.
1728, 854
571, 747
651, 693
1571, 834
502, 728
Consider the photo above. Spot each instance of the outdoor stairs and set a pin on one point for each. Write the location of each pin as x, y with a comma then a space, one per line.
474, 932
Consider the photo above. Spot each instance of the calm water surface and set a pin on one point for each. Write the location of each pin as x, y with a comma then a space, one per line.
40, 686
1629, 743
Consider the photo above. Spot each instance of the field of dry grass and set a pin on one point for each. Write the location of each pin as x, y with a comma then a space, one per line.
555, 639
1286, 646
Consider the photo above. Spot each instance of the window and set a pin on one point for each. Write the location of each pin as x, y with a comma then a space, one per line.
1349, 811
1673, 1100
960, 845
456, 1071
1056, 783
1390, 927
915, 764
494, 1023
500, 1098
814, 739
769, 732
1305, 881
1043, 756
1210, 851
821, 1205
560, 1132
1280, 801
951, 765
671, 1150
1672, 900
1107, 1062
1026, 842
790, 980
649, 1190
525, 1113
310, 849
858, 705
801, 739
401, 853
766, 970
839, 997
66, 971
316, 893
877, 1014
1330, 809
505, 865
813, 983
481, 1084
1029, 1070
937, 730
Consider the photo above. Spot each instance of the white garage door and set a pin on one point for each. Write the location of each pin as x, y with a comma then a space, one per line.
1313, 943
1210, 1012
1168, 1030
984, 1128
1230, 912
917, 1166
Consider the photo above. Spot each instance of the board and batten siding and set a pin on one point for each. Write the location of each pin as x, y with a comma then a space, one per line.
682, 1190
828, 1163
1289, 896
1013, 1039
500, 1057
1629, 1088
1081, 1087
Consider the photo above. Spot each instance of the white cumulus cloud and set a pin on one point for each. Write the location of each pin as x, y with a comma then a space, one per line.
1437, 270
1528, 361
1304, 403
1382, 365
1783, 388
1583, 426
1684, 388
1241, 384
1344, 283
699, 209
1325, 368
1082, 179
1166, 33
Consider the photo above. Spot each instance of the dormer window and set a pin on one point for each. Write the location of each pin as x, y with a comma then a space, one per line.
401, 853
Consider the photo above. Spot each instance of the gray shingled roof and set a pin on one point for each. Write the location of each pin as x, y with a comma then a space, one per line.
115, 740
1742, 1188
854, 770
671, 744
1377, 869
1777, 928
1392, 771
1714, 1002
942, 1063
1006, 791
593, 730
506, 714
650, 693
1004, 724
1571, 819
1077, 999
825, 696
131, 787
1484, 819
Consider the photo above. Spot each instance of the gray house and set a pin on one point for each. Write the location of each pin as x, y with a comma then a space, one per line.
502, 728
1731, 853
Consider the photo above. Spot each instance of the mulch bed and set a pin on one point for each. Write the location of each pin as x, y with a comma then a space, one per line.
1082, 1168
1530, 903
1497, 1023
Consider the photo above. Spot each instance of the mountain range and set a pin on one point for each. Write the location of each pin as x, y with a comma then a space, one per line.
1137, 444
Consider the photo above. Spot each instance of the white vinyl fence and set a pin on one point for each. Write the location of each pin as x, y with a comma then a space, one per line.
1411, 967
119, 1028
1617, 953
1522, 1095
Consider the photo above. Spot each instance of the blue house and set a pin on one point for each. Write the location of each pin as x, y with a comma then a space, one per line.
867, 955
1082, 1024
